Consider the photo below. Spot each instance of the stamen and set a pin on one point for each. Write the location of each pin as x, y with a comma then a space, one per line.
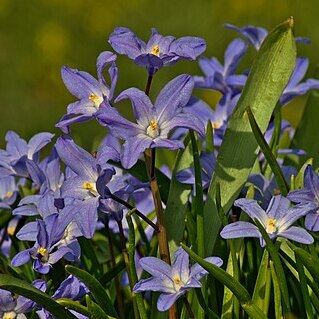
9, 194
42, 251
11, 231
97, 100
156, 50
88, 186
152, 130
271, 227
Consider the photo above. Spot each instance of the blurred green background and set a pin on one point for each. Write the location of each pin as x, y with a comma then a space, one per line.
37, 37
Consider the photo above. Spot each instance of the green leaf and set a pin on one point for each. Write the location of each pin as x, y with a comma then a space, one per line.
108, 276
96, 289
96, 312
74, 305
177, 203
271, 159
235, 286
300, 176
308, 130
278, 265
309, 262
269, 75
260, 286
20, 287
277, 293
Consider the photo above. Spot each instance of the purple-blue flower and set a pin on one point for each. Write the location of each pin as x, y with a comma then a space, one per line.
12, 307
92, 94
276, 220
223, 78
21, 158
49, 247
308, 194
159, 51
88, 183
154, 122
173, 281
294, 87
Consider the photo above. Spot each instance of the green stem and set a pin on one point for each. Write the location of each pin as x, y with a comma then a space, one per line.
127, 265
119, 296
136, 211
278, 265
132, 268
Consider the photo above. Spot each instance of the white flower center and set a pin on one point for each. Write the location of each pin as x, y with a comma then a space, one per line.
155, 50
9, 315
97, 100
178, 284
153, 129
271, 226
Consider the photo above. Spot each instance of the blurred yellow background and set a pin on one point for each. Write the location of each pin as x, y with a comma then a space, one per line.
37, 37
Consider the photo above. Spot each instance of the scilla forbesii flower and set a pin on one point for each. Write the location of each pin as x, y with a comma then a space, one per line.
154, 122
277, 221
173, 281
159, 51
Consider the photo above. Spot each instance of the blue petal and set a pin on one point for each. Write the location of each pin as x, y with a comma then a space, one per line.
240, 229
297, 234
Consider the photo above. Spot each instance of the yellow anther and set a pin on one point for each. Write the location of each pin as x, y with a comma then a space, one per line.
9, 194
177, 280
155, 50
97, 100
42, 251
88, 186
216, 125
271, 226
153, 125
11, 231
152, 130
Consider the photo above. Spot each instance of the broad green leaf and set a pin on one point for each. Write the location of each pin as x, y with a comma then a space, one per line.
306, 133
277, 293
267, 79
22, 288
260, 286
177, 202
96, 289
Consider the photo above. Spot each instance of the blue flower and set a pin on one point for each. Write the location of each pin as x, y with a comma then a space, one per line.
173, 281
277, 221
159, 51
222, 78
309, 194
50, 245
92, 94
154, 122
21, 158
16, 307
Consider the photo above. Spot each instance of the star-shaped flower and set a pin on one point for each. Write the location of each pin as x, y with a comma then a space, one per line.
159, 51
276, 220
309, 194
154, 122
173, 281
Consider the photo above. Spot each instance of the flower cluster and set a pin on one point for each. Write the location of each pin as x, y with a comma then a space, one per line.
68, 207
